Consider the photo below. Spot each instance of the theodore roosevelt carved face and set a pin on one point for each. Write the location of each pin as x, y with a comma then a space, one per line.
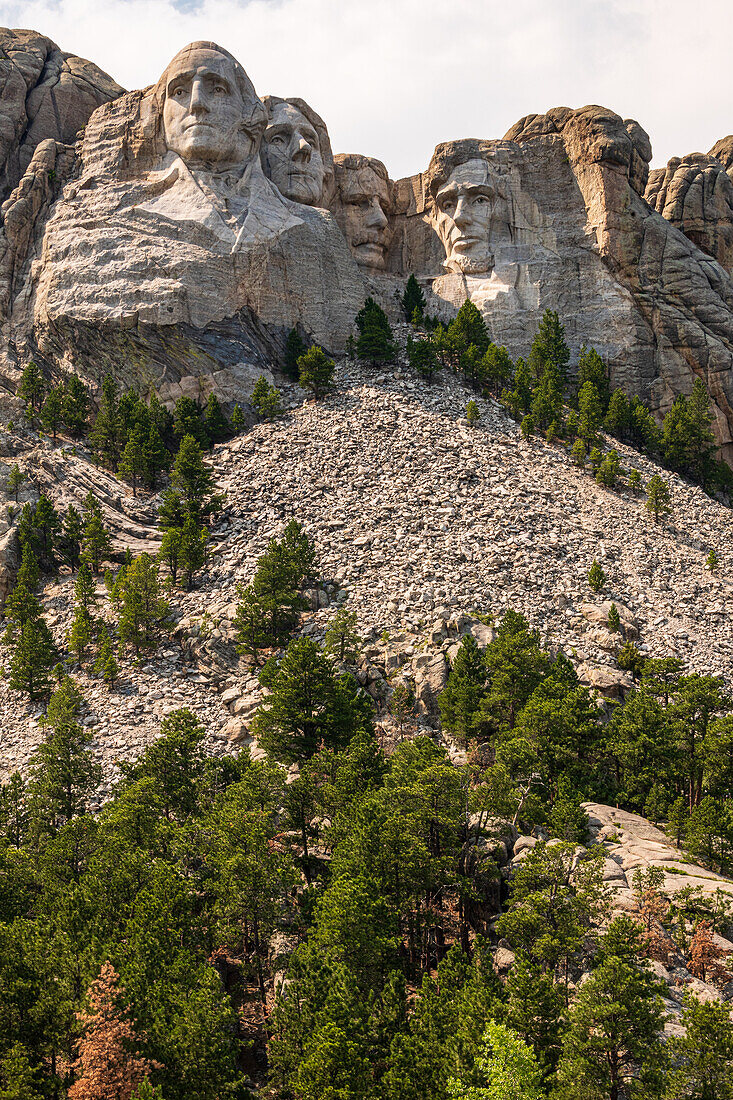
211, 114
464, 206
364, 208
292, 153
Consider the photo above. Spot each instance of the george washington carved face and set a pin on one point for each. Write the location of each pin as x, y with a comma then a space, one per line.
464, 206
211, 114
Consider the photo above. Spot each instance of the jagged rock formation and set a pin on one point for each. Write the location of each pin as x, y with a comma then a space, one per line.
189, 232
695, 194
45, 94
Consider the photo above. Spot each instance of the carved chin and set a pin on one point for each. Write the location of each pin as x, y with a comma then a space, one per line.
469, 265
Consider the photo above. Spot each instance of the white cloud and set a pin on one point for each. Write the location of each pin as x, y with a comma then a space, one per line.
394, 77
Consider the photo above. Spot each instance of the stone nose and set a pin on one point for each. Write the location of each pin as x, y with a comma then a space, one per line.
302, 149
462, 216
376, 217
197, 103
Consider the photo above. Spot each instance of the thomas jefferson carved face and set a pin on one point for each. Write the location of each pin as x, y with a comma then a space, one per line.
291, 156
464, 206
365, 203
205, 114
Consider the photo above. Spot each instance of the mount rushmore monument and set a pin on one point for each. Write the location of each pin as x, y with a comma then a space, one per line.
175, 234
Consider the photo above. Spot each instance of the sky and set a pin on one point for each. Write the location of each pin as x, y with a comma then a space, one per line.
392, 78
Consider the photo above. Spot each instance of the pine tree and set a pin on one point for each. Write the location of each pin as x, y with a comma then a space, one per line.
472, 414
156, 457
547, 401
469, 328
519, 398
614, 619
74, 405
295, 347
549, 348
96, 544
192, 489
578, 453
192, 549
688, 443
143, 611
634, 480
133, 464
401, 705
265, 399
591, 368
51, 414
609, 470
461, 701
216, 425
534, 1010
316, 372
72, 533
496, 368
32, 388
309, 704
678, 820
187, 421
413, 298
658, 498
18, 1079
106, 436
342, 642
83, 625
712, 562
614, 1037
590, 414
471, 366
107, 1067
702, 1056
34, 654
29, 573
170, 551
596, 458
16, 477
105, 663
376, 342
238, 420
596, 577
422, 358
528, 427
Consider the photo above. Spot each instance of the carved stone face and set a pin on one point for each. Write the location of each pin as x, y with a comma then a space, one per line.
463, 209
291, 156
363, 214
204, 110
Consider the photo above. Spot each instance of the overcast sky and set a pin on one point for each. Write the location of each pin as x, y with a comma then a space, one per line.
392, 78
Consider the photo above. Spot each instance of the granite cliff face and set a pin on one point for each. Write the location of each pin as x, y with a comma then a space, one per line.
194, 223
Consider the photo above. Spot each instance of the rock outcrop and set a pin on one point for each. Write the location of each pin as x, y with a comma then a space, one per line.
187, 233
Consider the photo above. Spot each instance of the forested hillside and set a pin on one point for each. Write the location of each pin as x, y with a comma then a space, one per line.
372, 741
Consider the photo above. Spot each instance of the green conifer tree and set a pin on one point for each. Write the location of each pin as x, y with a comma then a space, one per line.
591, 368
72, 532
549, 348
16, 477
51, 415
413, 299
32, 388
590, 414
294, 348
192, 489
596, 577
106, 436
265, 399
96, 544
614, 619
216, 425
238, 420
712, 562
316, 372
133, 464
192, 549
74, 405
578, 453
422, 357
658, 498
472, 414
143, 613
